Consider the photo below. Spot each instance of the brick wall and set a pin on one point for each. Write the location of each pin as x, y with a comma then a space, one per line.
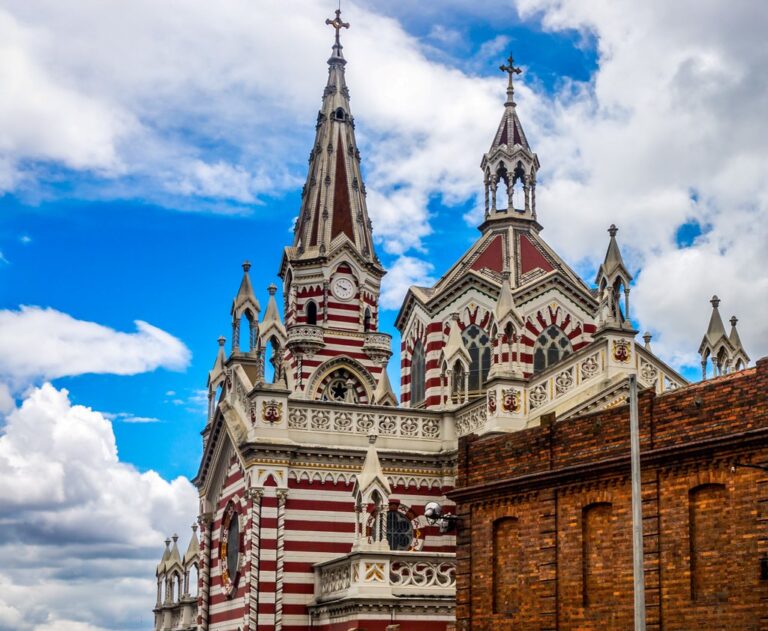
556, 503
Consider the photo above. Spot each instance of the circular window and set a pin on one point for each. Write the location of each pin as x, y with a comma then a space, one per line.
229, 550
399, 531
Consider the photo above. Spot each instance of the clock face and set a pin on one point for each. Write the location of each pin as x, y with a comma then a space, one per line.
343, 288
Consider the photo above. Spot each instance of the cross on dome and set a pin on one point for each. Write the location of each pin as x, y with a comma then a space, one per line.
511, 70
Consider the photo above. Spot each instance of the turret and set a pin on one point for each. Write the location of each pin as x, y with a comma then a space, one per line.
509, 326
456, 363
216, 377
715, 345
510, 163
739, 357
245, 305
371, 487
613, 280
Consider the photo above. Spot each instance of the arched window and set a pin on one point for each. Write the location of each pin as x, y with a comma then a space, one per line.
478, 344
339, 114
399, 530
367, 320
418, 370
311, 311
194, 577
551, 346
710, 542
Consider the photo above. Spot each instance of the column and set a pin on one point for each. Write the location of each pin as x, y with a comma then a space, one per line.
282, 495
203, 597
253, 547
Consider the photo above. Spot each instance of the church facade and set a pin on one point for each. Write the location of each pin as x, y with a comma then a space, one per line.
323, 499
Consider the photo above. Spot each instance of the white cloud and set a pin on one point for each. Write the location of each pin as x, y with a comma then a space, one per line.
405, 271
128, 417
670, 128
80, 531
37, 343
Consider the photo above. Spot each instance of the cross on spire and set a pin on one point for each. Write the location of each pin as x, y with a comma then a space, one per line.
511, 70
337, 23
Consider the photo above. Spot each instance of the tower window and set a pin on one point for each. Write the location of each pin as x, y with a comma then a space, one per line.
551, 346
311, 310
339, 114
367, 320
478, 344
418, 365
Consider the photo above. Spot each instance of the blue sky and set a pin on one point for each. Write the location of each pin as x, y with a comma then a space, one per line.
118, 260
147, 150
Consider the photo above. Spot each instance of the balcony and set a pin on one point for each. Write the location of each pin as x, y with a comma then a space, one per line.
388, 574
305, 339
378, 346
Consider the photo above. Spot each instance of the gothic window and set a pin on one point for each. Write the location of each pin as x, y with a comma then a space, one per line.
367, 320
233, 546
597, 554
551, 346
339, 114
507, 565
311, 310
709, 542
399, 530
418, 369
478, 343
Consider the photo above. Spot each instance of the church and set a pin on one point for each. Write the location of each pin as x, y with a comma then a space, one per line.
324, 501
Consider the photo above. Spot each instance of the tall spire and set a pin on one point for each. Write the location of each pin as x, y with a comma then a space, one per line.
333, 199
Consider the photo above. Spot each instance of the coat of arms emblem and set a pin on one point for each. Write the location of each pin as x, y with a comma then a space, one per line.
491, 402
271, 411
621, 351
510, 400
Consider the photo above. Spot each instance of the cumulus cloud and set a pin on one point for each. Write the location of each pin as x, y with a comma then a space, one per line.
406, 271
668, 130
80, 531
39, 343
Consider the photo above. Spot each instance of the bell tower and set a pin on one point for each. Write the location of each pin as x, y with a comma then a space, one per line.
331, 274
509, 166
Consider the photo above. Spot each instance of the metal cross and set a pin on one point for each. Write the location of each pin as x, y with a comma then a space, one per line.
512, 70
338, 24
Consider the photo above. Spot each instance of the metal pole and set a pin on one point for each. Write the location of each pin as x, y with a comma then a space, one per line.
637, 508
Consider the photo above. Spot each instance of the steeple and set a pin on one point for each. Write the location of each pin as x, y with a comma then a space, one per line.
333, 208
510, 162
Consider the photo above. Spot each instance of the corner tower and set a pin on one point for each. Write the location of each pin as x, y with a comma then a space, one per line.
331, 274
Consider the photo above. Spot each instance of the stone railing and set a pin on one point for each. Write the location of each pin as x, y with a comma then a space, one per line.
387, 422
576, 379
305, 338
384, 574
378, 346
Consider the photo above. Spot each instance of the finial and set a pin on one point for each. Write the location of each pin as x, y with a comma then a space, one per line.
715, 302
175, 537
511, 70
734, 320
194, 528
647, 339
455, 316
613, 230
338, 24
272, 289
372, 436
167, 542
222, 340
246, 266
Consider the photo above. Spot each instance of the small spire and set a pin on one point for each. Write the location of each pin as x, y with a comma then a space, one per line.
455, 347
738, 347
384, 395
511, 70
272, 317
218, 365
